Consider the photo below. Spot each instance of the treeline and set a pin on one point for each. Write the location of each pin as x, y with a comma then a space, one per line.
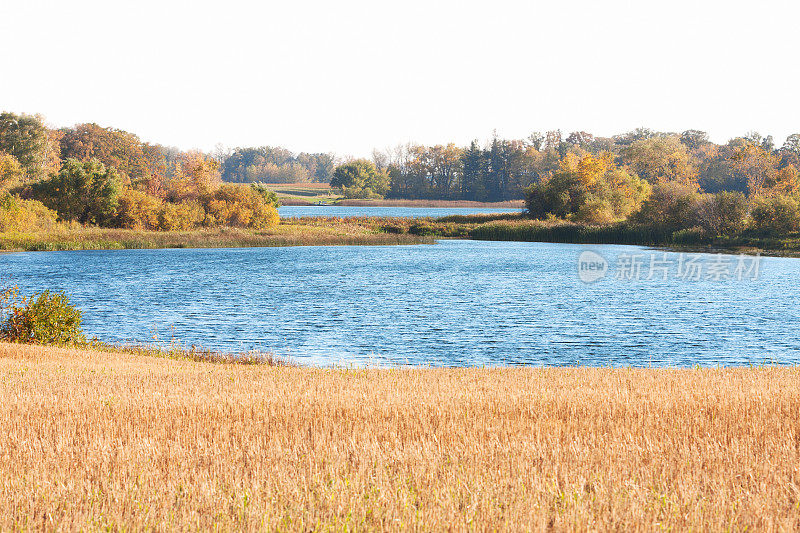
93, 175
275, 165
756, 188
503, 169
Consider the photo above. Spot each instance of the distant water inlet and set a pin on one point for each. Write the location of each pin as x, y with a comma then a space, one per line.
296, 211
456, 303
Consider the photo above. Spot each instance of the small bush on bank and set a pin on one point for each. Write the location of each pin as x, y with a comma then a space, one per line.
43, 318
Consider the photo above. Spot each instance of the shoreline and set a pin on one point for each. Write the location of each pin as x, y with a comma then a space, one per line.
293, 201
372, 230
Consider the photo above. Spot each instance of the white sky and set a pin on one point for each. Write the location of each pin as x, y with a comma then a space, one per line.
348, 76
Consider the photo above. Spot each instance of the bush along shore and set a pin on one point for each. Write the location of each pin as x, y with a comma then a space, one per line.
49, 319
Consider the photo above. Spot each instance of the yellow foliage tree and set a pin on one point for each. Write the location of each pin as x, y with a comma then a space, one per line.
758, 166
180, 216
195, 176
10, 170
661, 159
138, 210
239, 206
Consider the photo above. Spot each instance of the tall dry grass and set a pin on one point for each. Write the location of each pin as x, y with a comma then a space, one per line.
285, 234
93, 440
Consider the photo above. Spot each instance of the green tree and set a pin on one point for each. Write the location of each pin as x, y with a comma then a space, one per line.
83, 191
360, 179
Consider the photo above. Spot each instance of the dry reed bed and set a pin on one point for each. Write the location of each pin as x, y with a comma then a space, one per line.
285, 234
92, 440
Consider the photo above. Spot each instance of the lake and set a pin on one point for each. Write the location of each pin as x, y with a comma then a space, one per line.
456, 303
295, 211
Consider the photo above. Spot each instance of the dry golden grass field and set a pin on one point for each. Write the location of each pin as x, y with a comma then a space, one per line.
92, 440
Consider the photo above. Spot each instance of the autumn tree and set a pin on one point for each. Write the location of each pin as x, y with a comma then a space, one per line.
723, 213
195, 175
671, 206
660, 158
30, 142
775, 215
589, 189
238, 206
694, 139
141, 164
270, 164
758, 166
10, 170
137, 210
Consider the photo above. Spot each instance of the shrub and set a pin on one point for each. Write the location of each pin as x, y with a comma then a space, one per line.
43, 318
775, 215
138, 210
24, 215
722, 214
239, 206
181, 216
671, 206
596, 211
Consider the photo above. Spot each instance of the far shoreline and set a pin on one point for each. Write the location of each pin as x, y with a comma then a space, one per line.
510, 204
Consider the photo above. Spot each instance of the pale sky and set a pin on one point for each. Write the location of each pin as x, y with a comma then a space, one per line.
349, 76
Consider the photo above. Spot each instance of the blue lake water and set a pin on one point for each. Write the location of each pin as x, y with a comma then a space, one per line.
295, 211
455, 303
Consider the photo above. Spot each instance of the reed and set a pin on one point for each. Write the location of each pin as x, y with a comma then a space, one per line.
93, 238
565, 232
96, 440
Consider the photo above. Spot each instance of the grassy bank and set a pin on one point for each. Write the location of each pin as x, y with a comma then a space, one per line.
308, 193
304, 193
310, 231
95, 440
289, 234
520, 229
511, 204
